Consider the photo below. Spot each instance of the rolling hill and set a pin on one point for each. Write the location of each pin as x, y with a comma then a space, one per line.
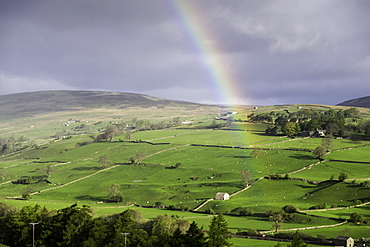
172, 157
31, 103
39, 114
358, 102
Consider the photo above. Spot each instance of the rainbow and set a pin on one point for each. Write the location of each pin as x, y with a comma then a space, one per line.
209, 51
219, 74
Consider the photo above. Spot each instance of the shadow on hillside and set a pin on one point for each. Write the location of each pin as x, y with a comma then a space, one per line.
87, 168
90, 198
170, 167
220, 184
262, 133
302, 157
319, 187
126, 163
242, 156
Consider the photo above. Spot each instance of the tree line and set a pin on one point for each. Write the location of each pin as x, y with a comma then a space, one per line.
13, 144
76, 226
127, 129
333, 121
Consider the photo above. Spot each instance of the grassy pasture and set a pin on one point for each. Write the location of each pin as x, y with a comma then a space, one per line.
235, 223
142, 185
296, 143
235, 160
312, 143
265, 195
204, 171
271, 195
254, 127
241, 242
355, 231
269, 140
325, 170
205, 163
204, 137
43, 126
361, 154
344, 213
8, 164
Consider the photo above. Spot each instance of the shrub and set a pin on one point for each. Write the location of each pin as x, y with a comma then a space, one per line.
342, 176
289, 209
246, 212
319, 206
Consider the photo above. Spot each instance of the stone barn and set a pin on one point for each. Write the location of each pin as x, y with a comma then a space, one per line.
342, 241
222, 196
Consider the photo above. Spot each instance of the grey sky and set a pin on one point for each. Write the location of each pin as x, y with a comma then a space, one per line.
279, 51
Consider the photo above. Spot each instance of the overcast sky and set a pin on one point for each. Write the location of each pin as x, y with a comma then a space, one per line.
273, 51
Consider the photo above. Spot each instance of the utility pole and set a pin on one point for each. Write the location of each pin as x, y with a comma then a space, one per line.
125, 233
33, 233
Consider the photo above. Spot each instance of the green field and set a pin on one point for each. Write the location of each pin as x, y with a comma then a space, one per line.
183, 166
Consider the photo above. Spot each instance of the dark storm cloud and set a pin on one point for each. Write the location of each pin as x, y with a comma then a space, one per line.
281, 51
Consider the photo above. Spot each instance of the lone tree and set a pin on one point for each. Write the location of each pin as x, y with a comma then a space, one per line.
104, 161
26, 195
111, 132
219, 234
255, 152
246, 177
291, 129
289, 209
114, 193
139, 157
49, 169
319, 153
277, 219
195, 236
367, 130
297, 241
176, 120
128, 135
2, 175
271, 130
327, 142
342, 176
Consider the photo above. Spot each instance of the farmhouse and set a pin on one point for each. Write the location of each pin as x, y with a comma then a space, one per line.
342, 241
319, 133
222, 196
316, 133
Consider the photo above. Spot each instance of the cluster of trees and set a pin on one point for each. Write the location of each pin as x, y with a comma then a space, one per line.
302, 115
82, 127
75, 226
359, 219
278, 217
78, 128
137, 158
318, 206
325, 147
225, 122
216, 125
114, 193
333, 121
127, 129
12, 144
296, 241
48, 170
140, 124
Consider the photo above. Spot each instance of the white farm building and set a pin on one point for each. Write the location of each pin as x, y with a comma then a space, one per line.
222, 196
